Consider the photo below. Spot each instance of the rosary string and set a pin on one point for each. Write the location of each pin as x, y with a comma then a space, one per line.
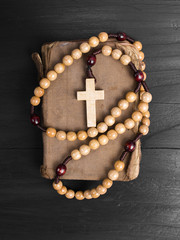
142, 115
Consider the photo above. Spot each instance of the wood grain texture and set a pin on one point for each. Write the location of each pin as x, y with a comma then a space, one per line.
145, 209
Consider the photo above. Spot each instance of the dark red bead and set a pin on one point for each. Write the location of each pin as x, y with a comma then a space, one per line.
139, 76
91, 60
35, 119
121, 36
61, 169
130, 146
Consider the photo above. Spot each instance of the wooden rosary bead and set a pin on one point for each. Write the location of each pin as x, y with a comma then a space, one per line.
84, 150
51, 75
125, 59
137, 116
61, 169
35, 119
123, 104
130, 146
61, 135
76, 54
112, 134
93, 41
146, 121
131, 97
146, 114
51, 132
115, 112
35, 101
141, 93
143, 66
144, 129
62, 191
138, 45
119, 165
57, 186
146, 97
116, 54
44, 83
109, 120
87, 194
91, 60
59, 67
113, 175
106, 50
67, 60
120, 128
70, 194
92, 132
94, 144
141, 88
107, 183
129, 123
121, 36
75, 154
145, 76
103, 139
101, 190
85, 47
102, 127
141, 56
79, 195
139, 76
103, 37
82, 135
71, 136
94, 193
143, 107
38, 92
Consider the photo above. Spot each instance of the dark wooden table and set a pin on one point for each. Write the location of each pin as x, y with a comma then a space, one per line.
147, 208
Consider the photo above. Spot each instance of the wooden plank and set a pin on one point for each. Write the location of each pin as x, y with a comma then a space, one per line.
155, 163
149, 206
145, 209
164, 129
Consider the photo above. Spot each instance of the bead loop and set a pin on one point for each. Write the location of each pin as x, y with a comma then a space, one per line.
140, 116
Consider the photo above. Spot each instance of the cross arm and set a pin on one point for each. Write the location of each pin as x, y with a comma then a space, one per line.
81, 95
99, 95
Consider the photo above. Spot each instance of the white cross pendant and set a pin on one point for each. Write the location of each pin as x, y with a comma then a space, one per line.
90, 96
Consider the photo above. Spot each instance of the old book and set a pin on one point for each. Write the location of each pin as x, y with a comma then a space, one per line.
61, 110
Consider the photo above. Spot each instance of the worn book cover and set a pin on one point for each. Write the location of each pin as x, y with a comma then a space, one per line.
62, 110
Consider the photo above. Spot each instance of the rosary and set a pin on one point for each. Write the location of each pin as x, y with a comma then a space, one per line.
141, 115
